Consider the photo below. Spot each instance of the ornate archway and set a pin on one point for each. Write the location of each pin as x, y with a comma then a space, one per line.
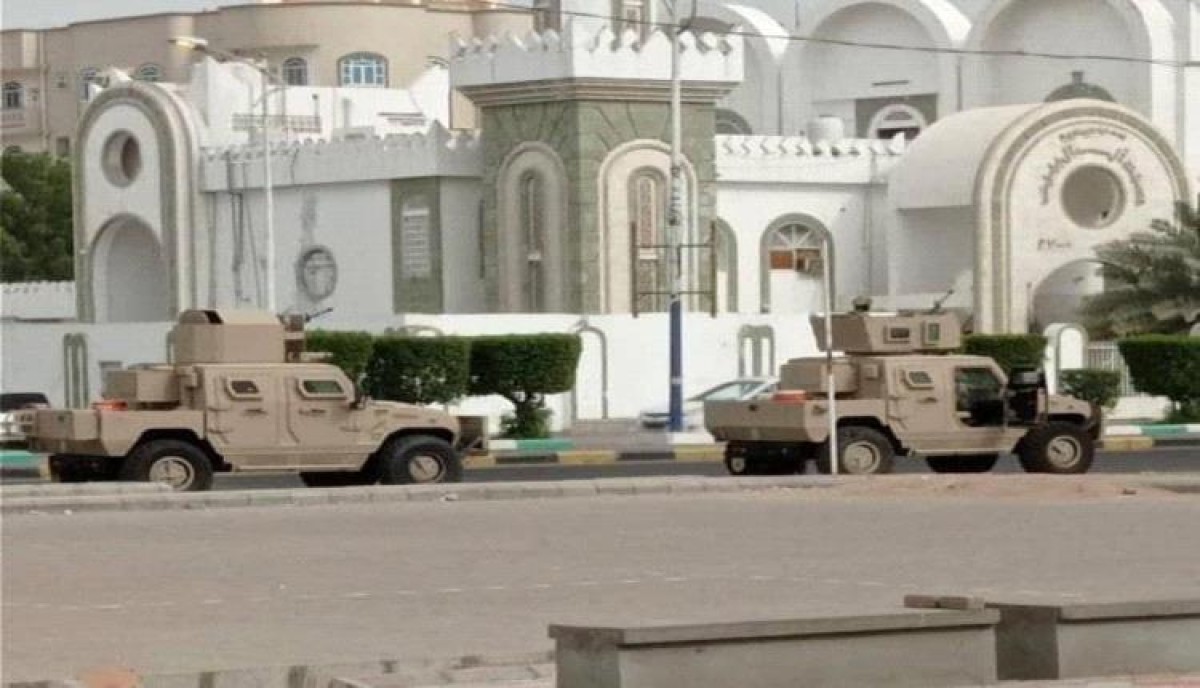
130, 281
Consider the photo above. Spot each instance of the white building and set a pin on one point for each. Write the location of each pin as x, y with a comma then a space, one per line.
910, 133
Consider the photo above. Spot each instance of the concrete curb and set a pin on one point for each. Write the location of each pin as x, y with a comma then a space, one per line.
394, 494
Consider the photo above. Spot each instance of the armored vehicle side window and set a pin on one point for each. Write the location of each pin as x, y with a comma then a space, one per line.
243, 389
898, 335
918, 379
933, 333
973, 385
322, 388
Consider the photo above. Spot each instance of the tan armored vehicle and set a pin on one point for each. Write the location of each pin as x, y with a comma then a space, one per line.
241, 395
900, 390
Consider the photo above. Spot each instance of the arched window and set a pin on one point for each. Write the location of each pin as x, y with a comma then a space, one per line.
363, 69
648, 210
897, 118
87, 78
14, 96
295, 71
793, 268
533, 233
149, 72
795, 247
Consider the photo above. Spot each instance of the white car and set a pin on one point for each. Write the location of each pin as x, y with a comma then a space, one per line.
693, 407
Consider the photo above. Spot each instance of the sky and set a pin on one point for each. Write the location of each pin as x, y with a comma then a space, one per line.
36, 14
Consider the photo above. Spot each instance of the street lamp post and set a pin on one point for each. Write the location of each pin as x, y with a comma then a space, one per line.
675, 223
674, 227
201, 45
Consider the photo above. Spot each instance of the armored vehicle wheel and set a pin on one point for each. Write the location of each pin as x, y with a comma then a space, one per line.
336, 479
967, 463
1057, 448
180, 464
861, 451
419, 459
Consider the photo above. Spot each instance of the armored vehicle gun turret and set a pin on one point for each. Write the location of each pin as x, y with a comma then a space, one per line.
901, 388
241, 394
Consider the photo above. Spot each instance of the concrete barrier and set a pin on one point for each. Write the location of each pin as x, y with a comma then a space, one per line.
919, 649
1045, 641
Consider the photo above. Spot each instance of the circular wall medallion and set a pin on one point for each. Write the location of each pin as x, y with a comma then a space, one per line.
1093, 197
122, 158
317, 273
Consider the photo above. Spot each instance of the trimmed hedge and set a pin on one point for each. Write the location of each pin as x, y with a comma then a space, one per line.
420, 370
1010, 351
1100, 387
350, 351
523, 369
1166, 365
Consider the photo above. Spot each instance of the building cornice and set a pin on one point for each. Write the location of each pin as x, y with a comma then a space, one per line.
696, 92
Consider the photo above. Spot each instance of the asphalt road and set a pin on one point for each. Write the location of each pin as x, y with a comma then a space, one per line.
205, 590
1159, 460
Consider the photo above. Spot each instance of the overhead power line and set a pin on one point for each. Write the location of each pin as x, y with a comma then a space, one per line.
873, 45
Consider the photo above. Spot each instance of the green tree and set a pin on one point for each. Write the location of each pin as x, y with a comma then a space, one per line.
524, 369
1152, 280
36, 233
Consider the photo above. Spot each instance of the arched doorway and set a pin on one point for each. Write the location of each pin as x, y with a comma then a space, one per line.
725, 245
793, 265
129, 275
1059, 297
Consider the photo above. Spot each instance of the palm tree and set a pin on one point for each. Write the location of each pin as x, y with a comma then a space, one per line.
1152, 280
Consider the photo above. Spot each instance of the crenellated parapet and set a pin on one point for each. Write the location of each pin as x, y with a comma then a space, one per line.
602, 65
797, 159
37, 300
439, 152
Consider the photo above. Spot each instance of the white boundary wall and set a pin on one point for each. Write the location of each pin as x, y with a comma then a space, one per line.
637, 354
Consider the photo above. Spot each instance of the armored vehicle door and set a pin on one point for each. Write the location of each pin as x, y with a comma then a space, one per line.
323, 427
936, 407
242, 417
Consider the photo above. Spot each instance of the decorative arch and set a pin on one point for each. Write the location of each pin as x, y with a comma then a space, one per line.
1008, 162
536, 163
942, 20
1151, 30
820, 236
725, 244
923, 23
616, 247
178, 193
129, 273
587, 331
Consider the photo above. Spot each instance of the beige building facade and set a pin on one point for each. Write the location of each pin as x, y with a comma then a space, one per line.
47, 74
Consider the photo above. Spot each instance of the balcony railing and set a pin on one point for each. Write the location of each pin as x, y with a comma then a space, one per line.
299, 124
13, 119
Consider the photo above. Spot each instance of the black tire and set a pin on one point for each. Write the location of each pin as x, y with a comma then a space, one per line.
336, 479
419, 459
965, 463
861, 451
182, 465
748, 459
1058, 448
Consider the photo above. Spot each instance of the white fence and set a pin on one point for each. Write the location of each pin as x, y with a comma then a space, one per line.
1106, 356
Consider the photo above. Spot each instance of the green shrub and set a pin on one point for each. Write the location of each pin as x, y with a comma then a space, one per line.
524, 369
350, 351
420, 370
1166, 366
1010, 351
1100, 387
